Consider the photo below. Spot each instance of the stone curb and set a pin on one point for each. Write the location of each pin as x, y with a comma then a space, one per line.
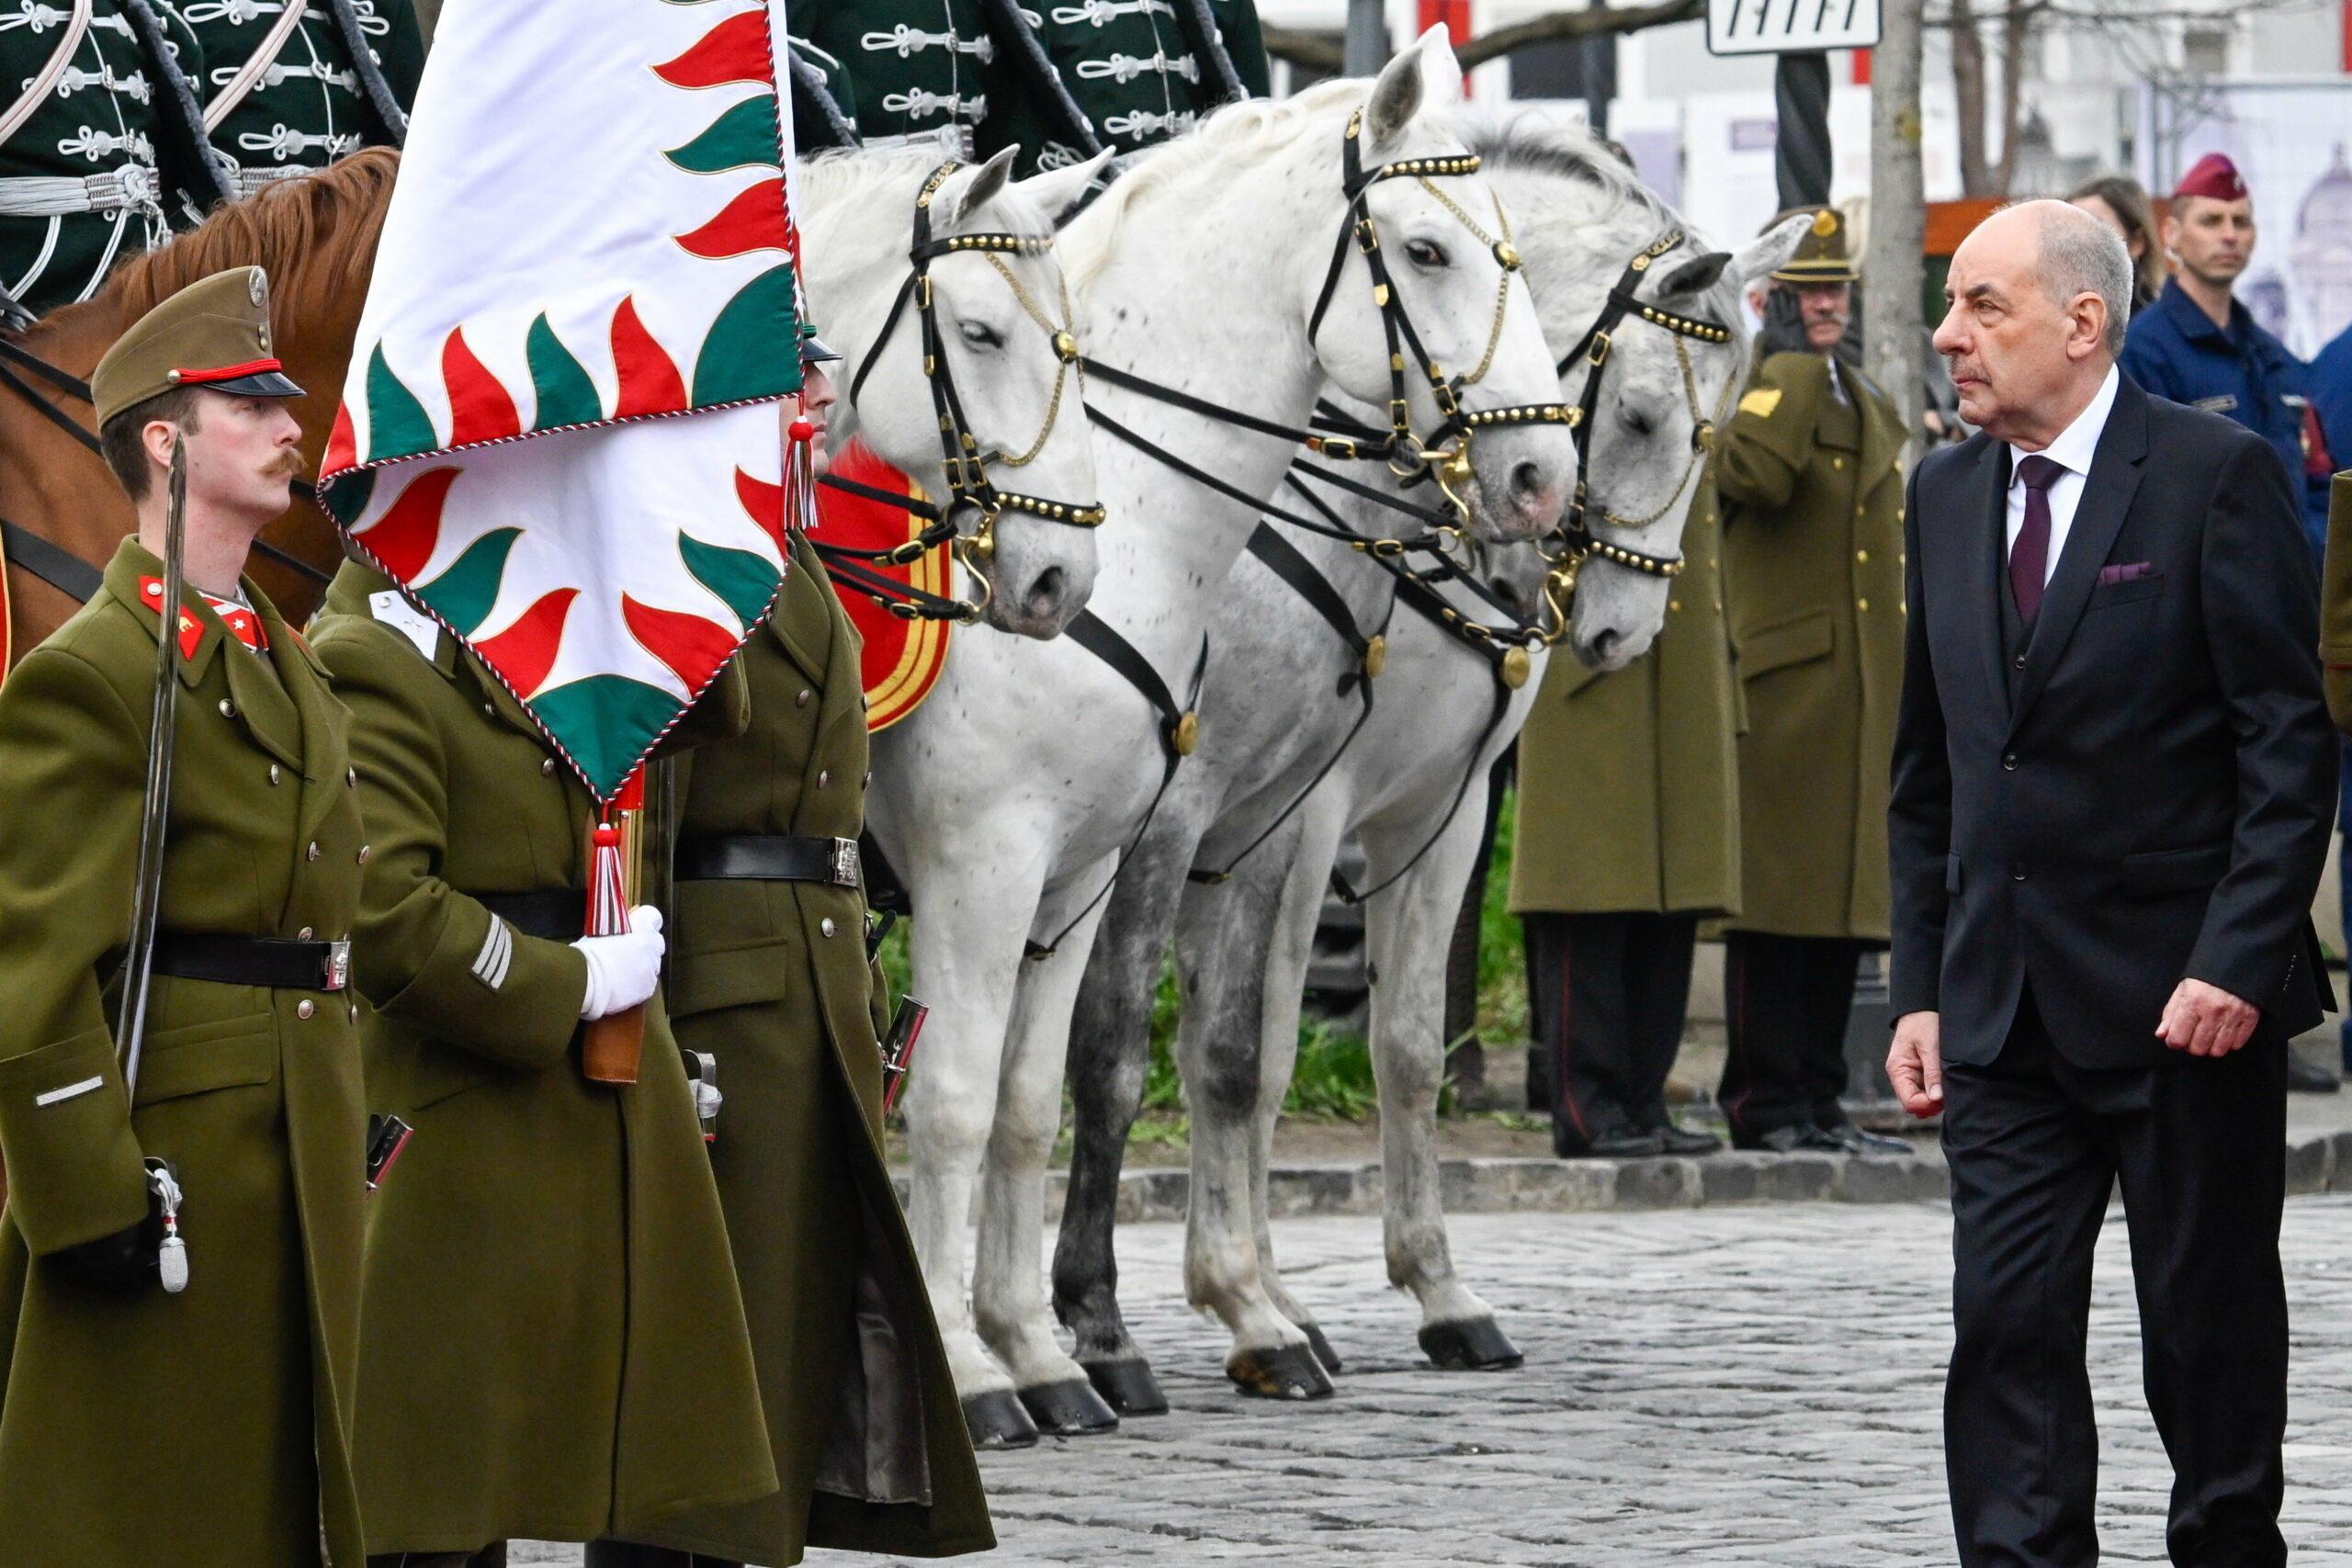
2322, 1164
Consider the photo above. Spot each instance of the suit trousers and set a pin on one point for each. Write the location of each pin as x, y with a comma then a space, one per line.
1609, 993
2036, 1145
622, 1555
1786, 1003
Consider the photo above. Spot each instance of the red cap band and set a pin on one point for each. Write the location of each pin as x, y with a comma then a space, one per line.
227, 372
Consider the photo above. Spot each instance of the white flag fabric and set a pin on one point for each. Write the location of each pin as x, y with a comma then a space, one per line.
559, 434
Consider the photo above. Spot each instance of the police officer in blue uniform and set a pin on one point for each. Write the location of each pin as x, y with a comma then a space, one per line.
2198, 344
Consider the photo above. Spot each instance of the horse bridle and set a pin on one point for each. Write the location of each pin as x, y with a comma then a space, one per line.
966, 465
1578, 541
1408, 456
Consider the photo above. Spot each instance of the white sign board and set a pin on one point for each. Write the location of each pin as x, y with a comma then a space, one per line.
1790, 27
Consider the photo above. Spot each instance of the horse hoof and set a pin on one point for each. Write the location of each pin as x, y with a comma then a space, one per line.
1320, 1344
1069, 1409
1474, 1345
1128, 1386
1280, 1371
996, 1420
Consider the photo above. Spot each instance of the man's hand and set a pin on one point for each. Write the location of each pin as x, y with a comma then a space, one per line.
1915, 1063
2206, 1021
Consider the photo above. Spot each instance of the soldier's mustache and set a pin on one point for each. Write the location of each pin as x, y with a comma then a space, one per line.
286, 465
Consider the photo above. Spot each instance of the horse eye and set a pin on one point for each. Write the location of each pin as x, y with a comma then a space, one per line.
980, 334
1426, 253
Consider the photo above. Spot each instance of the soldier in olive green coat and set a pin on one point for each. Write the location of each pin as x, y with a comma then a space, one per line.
210, 1427
1809, 469
769, 977
1628, 834
555, 1344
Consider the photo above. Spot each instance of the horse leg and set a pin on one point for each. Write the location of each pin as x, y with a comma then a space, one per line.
1289, 950
1008, 1279
965, 956
1110, 1051
1220, 944
1407, 930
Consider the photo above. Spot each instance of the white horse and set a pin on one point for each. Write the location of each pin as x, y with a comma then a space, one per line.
856, 212
1005, 801
1283, 698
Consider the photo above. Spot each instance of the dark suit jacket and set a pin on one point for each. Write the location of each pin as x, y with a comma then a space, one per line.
2155, 802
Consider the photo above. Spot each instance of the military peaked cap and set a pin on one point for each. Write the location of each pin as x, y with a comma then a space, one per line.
214, 332
1822, 256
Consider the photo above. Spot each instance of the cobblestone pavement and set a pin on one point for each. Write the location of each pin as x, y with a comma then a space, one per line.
1728, 1387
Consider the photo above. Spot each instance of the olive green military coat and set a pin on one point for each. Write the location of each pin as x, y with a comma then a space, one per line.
1813, 558
2336, 603
118, 121
771, 979
207, 1430
555, 1345
306, 105
1629, 783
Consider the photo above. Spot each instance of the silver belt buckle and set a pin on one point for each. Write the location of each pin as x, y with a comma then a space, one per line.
845, 863
337, 967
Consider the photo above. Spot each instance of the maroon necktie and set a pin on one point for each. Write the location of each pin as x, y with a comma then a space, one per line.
2029, 557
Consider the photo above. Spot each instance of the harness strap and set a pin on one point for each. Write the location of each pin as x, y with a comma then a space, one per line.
914, 503
1282, 557
52, 563
47, 410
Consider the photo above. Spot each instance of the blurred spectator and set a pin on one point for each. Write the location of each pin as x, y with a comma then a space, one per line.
1810, 471
2197, 344
2121, 203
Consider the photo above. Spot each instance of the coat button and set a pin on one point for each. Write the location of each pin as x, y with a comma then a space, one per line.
273, 773
1839, 463
312, 852
826, 925
365, 850
546, 766
305, 1008
1674, 604
824, 778
2018, 662
1863, 604
304, 934
228, 708
2009, 761
1863, 557
2017, 871
802, 700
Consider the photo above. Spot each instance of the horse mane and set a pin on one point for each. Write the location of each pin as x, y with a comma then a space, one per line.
1240, 133
315, 234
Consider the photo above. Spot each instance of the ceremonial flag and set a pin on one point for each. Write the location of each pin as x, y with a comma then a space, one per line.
557, 435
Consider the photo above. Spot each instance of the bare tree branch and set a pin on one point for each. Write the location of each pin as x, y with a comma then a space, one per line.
1317, 52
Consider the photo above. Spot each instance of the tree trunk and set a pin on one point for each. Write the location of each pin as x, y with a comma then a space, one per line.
1968, 85
2016, 33
1892, 270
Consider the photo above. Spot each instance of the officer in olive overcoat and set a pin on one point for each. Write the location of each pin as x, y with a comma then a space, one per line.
555, 1344
1810, 471
102, 144
1627, 836
286, 95
769, 977
210, 1427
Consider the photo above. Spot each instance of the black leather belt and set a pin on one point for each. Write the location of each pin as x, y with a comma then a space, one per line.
279, 963
768, 857
558, 914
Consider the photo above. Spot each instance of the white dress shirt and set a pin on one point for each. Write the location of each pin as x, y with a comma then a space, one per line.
2073, 451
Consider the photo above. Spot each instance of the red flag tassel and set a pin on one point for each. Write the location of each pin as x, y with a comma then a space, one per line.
800, 474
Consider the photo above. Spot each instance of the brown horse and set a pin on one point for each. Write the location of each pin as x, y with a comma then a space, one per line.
316, 235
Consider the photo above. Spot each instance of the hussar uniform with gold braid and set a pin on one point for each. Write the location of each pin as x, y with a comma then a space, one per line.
1145, 71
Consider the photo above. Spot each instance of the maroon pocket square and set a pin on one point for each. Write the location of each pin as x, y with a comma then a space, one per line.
2128, 571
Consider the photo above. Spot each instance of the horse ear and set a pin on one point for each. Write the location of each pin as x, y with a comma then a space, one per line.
966, 193
1396, 96
1698, 273
1770, 251
1059, 191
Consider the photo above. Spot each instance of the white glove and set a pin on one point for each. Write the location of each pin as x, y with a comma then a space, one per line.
623, 970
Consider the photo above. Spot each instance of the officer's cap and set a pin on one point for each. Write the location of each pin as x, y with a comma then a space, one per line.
1821, 257
214, 332
814, 350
